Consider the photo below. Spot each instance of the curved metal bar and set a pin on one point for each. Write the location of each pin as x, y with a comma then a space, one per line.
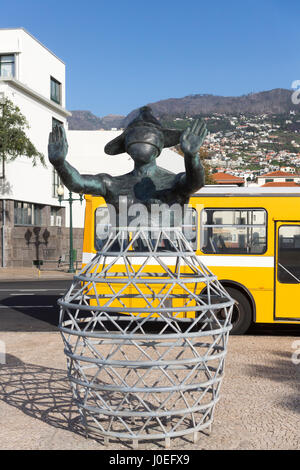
139, 414
143, 364
174, 388
137, 337
102, 309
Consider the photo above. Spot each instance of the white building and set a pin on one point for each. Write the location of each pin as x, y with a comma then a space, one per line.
33, 78
278, 177
33, 222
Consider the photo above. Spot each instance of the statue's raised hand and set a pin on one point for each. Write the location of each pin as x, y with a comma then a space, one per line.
57, 146
193, 137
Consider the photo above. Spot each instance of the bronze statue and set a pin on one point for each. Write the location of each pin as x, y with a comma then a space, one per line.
143, 139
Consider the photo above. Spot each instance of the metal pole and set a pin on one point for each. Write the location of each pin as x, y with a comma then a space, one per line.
4, 143
71, 267
3, 233
3, 177
71, 254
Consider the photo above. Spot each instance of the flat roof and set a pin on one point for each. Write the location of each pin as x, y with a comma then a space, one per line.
252, 191
29, 34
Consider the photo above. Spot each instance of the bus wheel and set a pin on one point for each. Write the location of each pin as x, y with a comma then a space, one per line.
241, 314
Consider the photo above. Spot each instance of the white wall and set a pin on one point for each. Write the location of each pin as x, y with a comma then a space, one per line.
10, 41
277, 179
34, 67
86, 151
25, 182
34, 62
86, 154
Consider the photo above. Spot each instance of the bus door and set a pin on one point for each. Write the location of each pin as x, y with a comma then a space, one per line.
287, 271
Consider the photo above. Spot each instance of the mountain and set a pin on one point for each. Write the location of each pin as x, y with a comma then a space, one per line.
85, 120
275, 101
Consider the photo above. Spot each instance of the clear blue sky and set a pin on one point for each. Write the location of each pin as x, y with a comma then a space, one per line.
122, 54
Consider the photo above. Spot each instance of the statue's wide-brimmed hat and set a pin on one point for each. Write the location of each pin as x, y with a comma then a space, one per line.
145, 128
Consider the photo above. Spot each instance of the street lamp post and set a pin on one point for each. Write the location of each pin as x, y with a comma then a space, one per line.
70, 200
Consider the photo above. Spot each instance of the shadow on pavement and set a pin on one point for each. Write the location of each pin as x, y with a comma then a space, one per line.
282, 370
40, 392
44, 393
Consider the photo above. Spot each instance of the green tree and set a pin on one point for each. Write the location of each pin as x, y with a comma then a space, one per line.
203, 154
13, 139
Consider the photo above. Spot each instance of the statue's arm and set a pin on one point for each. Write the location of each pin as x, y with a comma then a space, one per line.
194, 176
80, 183
71, 178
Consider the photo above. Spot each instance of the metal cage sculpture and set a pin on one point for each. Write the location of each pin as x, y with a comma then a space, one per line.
145, 330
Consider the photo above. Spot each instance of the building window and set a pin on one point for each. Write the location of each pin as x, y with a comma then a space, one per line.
7, 66
55, 90
37, 214
55, 220
26, 213
234, 231
269, 180
56, 122
289, 179
190, 226
56, 182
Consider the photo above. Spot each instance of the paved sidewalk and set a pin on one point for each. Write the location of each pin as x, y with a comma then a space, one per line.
259, 406
8, 274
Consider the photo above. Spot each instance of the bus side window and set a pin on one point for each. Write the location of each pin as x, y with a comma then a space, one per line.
190, 226
289, 254
101, 227
234, 231
169, 243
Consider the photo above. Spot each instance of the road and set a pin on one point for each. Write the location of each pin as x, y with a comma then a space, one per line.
31, 305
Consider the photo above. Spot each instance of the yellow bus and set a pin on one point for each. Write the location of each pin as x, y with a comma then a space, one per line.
249, 237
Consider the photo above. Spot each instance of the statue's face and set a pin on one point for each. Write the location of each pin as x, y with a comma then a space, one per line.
143, 152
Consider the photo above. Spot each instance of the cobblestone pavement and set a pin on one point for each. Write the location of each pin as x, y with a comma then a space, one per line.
259, 406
